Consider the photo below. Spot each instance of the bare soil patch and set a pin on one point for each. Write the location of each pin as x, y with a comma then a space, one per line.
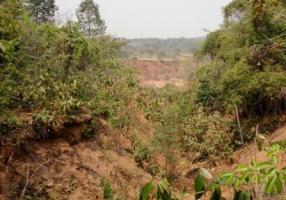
159, 73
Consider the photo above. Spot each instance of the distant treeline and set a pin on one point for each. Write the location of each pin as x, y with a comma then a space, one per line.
160, 48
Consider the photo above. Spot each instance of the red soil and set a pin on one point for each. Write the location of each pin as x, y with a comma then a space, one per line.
159, 73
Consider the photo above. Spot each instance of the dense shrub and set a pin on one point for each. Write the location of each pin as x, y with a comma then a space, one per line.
185, 128
247, 67
50, 69
208, 135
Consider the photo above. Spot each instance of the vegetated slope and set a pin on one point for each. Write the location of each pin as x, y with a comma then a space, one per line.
251, 151
59, 88
160, 62
160, 48
72, 113
56, 169
249, 154
246, 155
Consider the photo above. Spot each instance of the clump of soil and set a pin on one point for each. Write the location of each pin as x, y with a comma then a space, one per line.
56, 169
67, 165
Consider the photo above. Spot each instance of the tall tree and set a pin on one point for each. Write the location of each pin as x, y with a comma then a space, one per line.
43, 11
89, 18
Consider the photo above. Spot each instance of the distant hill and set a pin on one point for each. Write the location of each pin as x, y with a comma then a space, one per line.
160, 48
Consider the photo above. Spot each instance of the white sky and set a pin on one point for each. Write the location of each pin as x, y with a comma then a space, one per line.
155, 18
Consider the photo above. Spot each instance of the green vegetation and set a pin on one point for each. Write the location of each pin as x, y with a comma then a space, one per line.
89, 19
42, 11
248, 59
50, 77
243, 85
246, 72
160, 191
55, 72
256, 180
160, 48
107, 190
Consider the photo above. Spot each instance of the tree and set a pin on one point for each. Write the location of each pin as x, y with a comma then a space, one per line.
43, 11
89, 19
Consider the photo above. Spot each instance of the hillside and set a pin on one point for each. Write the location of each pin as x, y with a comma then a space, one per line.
159, 73
157, 48
85, 116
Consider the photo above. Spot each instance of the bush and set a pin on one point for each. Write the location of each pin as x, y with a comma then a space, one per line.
43, 124
57, 70
9, 123
247, 68
208, 135
142, 153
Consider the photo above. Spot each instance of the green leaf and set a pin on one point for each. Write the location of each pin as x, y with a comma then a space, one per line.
263, 165
272, 172
216, 195
199, 186
107, 190
164, 191
270, 187
227, 178
240, 195
279, 185
241, 168
146, 191
2, 47
164, 185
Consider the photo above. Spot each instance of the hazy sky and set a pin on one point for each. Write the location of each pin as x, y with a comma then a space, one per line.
155, 18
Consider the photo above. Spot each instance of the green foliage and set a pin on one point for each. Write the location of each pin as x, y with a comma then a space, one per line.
12, 25
89, 18
155, 103
208, 135
42, 11
49, 69
199, 186
43, 123
248, 180
212, 44
160, 48
216, 195
266, 175
160, 191
54, 72
146, 191
184, 127
107, 190
200, 183
247, 67
240, 195
91, 130
166, 145
167, 118
8, 123
141, 153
